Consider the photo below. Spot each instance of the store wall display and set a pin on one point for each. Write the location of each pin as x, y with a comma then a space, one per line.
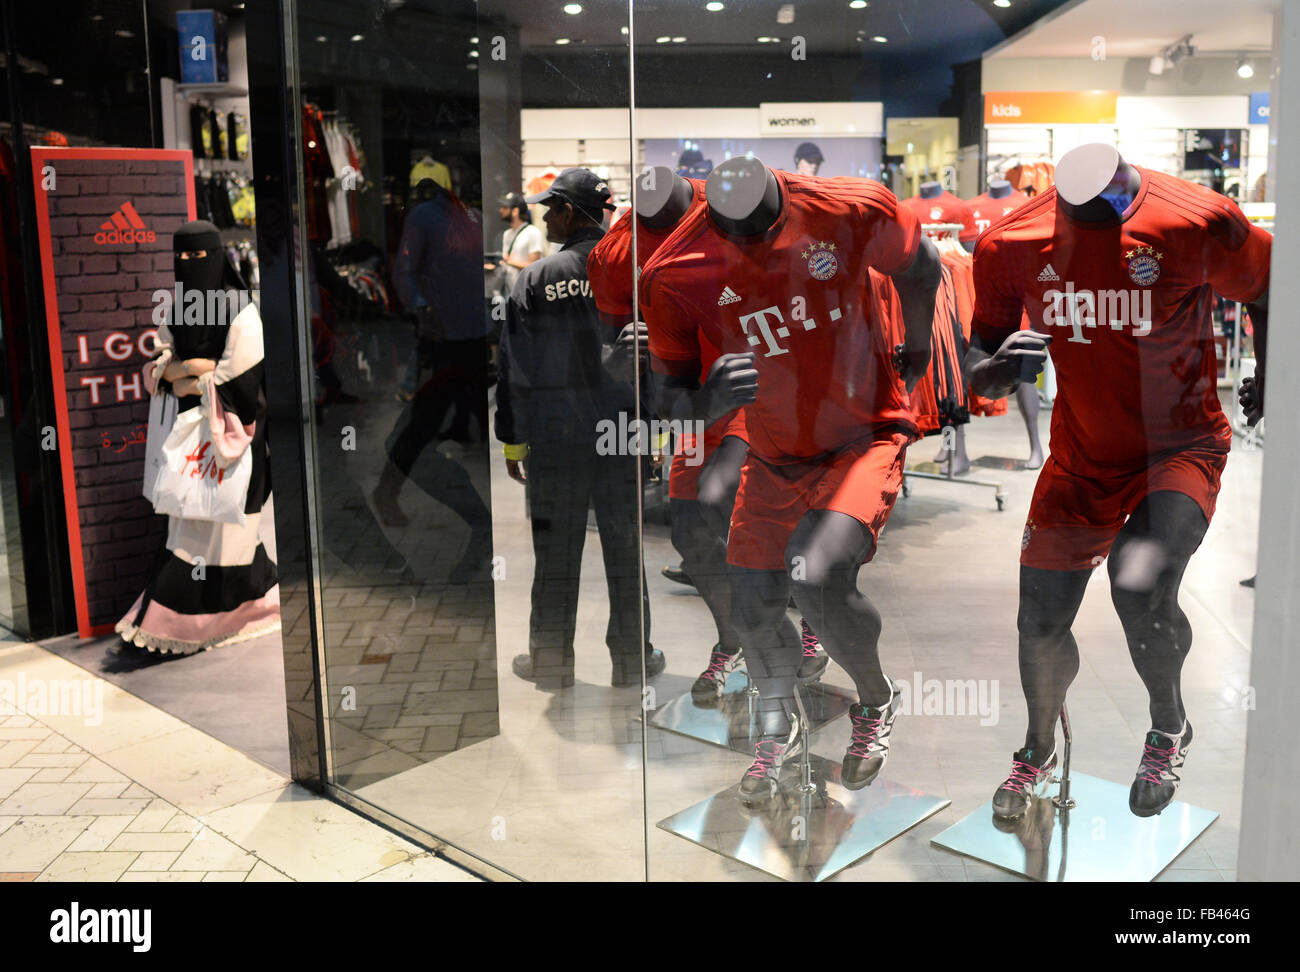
105, 218
839, 155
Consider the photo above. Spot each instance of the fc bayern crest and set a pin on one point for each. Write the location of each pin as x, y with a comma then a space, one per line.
1144, 265
822, 262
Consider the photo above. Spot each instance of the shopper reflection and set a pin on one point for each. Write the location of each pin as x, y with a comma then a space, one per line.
438, 273
553, 393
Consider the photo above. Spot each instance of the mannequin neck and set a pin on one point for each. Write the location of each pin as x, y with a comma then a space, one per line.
667, 210
1111, 203
744, 197
930, 189
1000, 189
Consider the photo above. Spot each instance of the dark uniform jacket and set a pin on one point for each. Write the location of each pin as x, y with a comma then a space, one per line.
552, 384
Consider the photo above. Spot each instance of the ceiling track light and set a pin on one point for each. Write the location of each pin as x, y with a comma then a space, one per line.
1244, 68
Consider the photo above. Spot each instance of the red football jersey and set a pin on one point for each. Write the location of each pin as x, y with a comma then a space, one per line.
1128, 304
800, 297
944, 208
609, 265
985, 210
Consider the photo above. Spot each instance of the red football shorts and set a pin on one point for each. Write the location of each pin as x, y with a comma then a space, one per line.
683, 477
861, 480
1074, 519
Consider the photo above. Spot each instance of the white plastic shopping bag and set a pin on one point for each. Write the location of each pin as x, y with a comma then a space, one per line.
191, 484
162, 416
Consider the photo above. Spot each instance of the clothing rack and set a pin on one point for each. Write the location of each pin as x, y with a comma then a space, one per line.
946, 236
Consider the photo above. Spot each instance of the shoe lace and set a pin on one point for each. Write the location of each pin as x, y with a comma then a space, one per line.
766, 754
810, 642
1155, 762
865, 730
717, 662
1023, 775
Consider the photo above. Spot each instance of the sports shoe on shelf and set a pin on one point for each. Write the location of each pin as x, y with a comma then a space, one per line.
1031, 773
708, 687
1156, 783
814, 659
869, 742
762, 780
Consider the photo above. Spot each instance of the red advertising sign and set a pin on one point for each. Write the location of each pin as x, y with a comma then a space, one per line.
105, 218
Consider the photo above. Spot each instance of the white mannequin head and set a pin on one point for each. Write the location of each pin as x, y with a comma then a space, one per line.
1085, 171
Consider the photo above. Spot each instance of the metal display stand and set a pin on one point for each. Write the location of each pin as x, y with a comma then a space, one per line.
731, 721
1112, 843
813, 828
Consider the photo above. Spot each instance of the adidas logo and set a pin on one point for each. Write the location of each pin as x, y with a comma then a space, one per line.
729, 296
124, 226
1048, 274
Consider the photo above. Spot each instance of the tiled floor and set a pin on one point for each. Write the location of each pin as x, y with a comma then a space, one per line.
113, 789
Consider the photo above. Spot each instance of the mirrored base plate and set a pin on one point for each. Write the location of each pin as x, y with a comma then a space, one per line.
999, 462
731, 722
804, 837
1099, 840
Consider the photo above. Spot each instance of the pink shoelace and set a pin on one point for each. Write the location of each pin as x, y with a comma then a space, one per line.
1155, 761
717, 662
765, 756
1022, 775
864, 735
810, 642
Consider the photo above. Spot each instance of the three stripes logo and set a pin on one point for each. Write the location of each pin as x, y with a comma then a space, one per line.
729, 296
124, 226
1048, 274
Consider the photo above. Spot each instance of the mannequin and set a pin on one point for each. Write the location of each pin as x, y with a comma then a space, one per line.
999, 189
758, 245
662, 198
1123, 455
930, 190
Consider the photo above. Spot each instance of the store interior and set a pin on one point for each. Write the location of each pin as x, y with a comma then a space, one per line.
406, 104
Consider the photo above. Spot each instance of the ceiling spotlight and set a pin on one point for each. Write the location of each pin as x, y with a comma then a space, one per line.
473, 40
880, 40
662, 40
623, 31
713, 6
785, 13
56, 81
473, 53
123, 32
679, 40
1244, 69
561, 41
1157, 65
573, 8
1001, 3
321, 38
357, 37
857, 4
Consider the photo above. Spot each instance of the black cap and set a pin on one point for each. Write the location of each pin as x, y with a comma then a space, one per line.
809, 151
585, 190
511, 200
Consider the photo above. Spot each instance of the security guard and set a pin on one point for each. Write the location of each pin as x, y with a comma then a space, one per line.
559, 381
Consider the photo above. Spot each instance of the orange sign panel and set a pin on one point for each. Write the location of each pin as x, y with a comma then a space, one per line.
1050, 107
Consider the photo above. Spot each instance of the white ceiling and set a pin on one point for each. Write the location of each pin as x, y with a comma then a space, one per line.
1143, 28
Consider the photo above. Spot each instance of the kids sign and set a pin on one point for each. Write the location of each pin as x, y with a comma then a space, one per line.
105, 218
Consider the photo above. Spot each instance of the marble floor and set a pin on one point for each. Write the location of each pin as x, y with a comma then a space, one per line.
98, 785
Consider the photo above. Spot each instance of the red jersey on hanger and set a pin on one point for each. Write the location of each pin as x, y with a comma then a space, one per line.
800, 297
944, 208
609, 265
987, 210
1128, 304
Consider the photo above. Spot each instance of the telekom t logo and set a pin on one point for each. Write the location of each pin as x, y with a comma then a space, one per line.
760, 320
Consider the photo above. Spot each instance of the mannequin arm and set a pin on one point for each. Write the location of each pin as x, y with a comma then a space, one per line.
1251, 393
917, 287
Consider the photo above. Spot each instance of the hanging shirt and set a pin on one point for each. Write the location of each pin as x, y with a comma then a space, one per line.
987, 210
1128, 303
943, 208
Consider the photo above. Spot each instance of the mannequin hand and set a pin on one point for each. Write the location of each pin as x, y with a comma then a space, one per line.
732, 384
1251, 397
1020, 359
517, 470
186, 386
632, 345
910, 365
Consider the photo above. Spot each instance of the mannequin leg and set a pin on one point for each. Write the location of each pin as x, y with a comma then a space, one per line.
1027, 399
1146, 567
824, 555
772, 649
704, 555
1049, 655
961, 461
